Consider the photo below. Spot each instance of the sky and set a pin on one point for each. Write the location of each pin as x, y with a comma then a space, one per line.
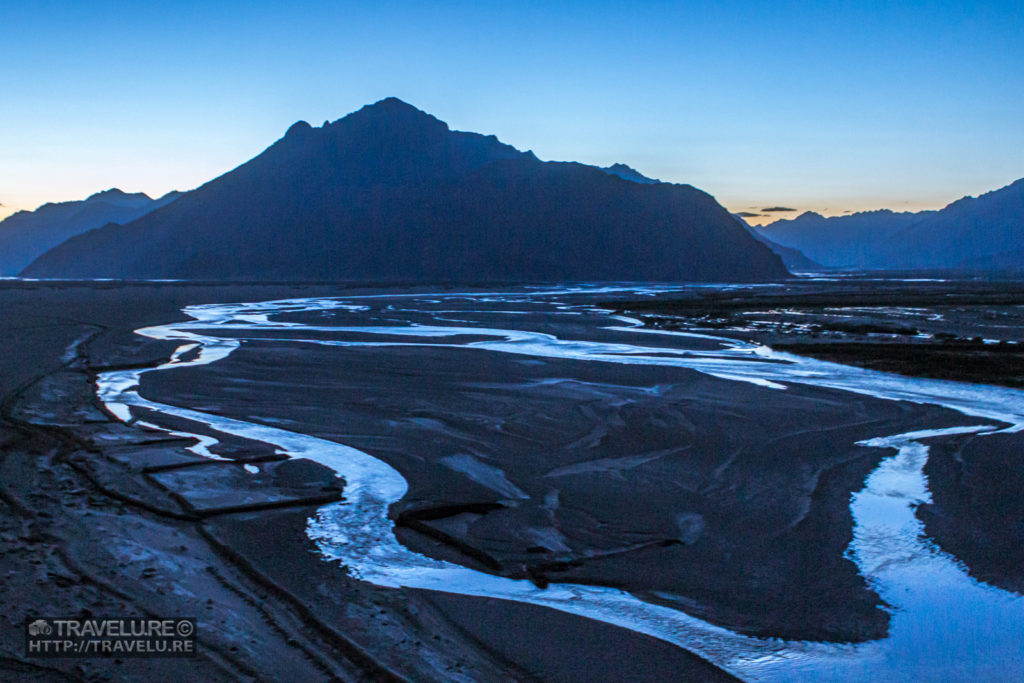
825, 106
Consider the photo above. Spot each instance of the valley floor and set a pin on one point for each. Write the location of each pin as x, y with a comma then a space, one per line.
89, 528
723, 498
967, 331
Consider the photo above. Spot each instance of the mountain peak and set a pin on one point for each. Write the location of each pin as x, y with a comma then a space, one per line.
298, 128
392, 103
393, 113
117, 193
627, 173
809, 215
391, 107
112, 192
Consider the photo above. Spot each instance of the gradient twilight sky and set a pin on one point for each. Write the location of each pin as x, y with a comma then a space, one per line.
829, 106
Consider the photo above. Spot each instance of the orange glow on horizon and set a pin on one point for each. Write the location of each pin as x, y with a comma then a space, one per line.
845, 208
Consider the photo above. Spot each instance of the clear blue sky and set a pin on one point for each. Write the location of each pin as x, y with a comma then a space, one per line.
828, 106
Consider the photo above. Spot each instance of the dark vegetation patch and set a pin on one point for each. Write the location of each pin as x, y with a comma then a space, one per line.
961, 360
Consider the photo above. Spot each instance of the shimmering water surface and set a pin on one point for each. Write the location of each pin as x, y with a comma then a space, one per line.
945, 625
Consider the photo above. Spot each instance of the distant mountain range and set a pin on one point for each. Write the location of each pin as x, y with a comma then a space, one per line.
973, 233
970, 231
794, 259
391, 193
26, 235
852, 241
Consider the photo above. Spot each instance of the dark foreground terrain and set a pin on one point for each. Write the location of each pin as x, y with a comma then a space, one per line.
966, 331
92, 524
728, 500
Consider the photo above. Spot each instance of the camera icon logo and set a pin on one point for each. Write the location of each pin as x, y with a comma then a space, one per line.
40, 627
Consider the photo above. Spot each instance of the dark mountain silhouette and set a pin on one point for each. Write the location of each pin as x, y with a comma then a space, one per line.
1006, 261
390, 193
26, 235
984, 232
793, 259
973, 233
627, 173
852, 241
